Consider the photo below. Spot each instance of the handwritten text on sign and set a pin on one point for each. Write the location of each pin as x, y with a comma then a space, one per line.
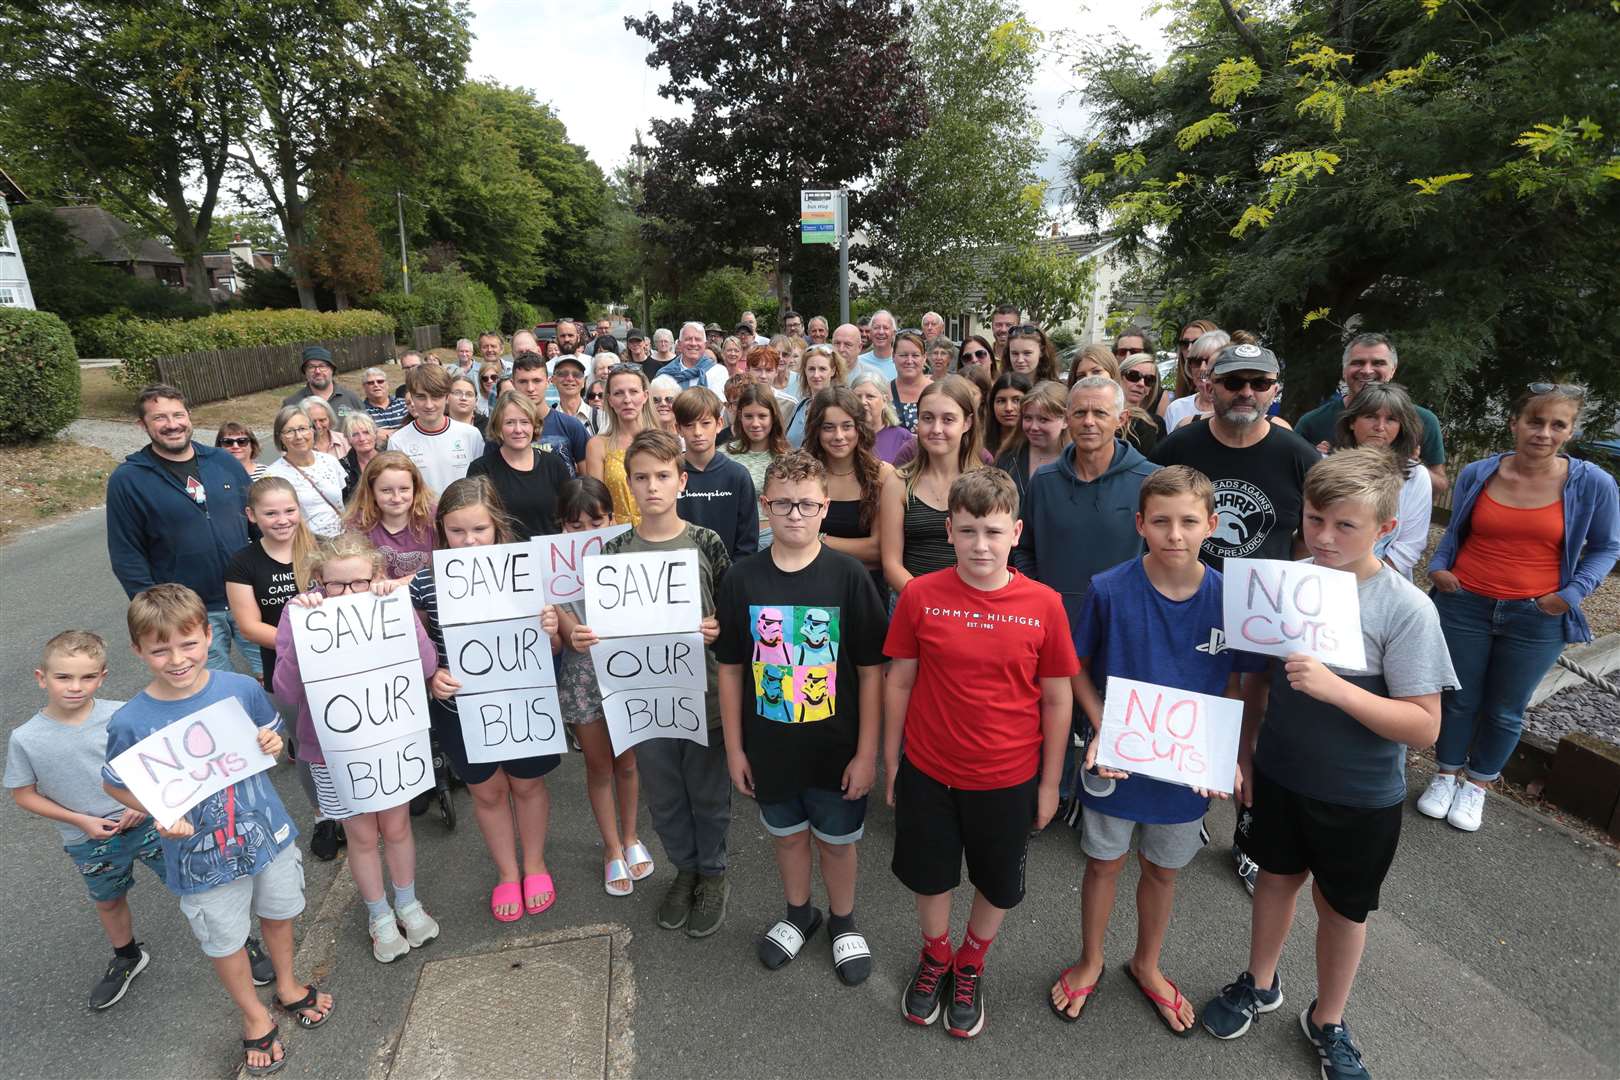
178, 766
650, 592
652, 687
1277, 608
362, 673
1170, 734
490, 599
562, 559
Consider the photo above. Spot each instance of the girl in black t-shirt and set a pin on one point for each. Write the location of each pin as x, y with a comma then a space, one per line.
263, 576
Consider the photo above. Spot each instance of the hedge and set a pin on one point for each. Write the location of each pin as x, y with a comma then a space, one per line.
461, 306
139, 341
519, 315
39, 375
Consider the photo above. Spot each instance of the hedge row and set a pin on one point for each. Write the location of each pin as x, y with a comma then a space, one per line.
460, 306
139, 341
39, 375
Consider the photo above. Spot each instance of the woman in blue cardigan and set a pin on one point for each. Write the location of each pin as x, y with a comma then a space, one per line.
1532, 533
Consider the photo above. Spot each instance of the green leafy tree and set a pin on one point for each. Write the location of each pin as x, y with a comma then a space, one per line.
1043, 279
256, 228
968, 180
1440, 169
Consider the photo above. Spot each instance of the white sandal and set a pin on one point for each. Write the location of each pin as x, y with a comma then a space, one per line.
616, 872
637, 853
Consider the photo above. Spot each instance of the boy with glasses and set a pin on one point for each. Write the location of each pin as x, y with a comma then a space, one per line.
802, 718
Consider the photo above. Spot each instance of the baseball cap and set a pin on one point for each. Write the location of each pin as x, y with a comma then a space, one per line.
569, 358
1244, 358
315, 352
635, 335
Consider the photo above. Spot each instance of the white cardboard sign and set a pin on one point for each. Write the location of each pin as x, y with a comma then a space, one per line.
178, 766
1170, 734
647, 592
493, 581
652, 687
1278, 608
562, 560
378, 777
362, 671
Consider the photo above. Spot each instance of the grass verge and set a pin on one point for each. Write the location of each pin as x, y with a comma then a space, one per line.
44, 480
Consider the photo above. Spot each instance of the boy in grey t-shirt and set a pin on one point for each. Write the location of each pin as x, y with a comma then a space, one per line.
1326, 783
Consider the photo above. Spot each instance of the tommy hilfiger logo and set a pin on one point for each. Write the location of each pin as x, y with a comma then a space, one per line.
981, 616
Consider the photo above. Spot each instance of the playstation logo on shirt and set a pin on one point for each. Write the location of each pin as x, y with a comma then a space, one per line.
1216, 643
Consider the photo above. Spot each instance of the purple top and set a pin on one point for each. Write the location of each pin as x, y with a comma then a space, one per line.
404, 552
890, 441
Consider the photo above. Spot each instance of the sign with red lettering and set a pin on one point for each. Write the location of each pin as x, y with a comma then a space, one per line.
1279, 608
1169, 734
177, 767
562, 560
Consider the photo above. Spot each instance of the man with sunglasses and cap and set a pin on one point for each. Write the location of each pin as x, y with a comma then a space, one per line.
568, 375
317, 369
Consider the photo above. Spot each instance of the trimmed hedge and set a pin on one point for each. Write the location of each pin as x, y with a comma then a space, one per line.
461, 306
139, 341
39, 375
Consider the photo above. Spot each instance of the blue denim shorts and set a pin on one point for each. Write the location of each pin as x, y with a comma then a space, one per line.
108, 865
829, 816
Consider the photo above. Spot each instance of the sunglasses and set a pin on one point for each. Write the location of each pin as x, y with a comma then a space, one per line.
490, 377
594, 395
1140, 376
1186, 343
237, 440
977, 355
1234, 384
1556, 388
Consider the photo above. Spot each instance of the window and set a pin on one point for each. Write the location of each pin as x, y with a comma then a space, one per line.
8, 297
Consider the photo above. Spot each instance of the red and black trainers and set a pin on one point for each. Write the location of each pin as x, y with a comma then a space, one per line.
921, 1002
964, 1018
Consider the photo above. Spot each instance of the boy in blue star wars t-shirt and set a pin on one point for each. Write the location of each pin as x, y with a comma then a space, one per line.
1154, 619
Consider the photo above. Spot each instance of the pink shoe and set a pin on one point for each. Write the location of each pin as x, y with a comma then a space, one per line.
507, 892
534, 884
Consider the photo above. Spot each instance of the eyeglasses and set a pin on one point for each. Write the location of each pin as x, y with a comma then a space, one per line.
1235, 383
976, 355
661, 399
1185, 343
568, 371
785, 507
338, 588
1135, 375
1569, 389
239, 440
296, 431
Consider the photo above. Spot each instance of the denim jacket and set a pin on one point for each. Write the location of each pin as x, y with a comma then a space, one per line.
1591, 531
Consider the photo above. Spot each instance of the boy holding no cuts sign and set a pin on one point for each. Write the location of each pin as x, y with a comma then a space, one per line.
1326, 778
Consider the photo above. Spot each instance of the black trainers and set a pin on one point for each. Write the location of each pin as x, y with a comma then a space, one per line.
120, 973
1340, 1057
920, 1004
676, 906
325, 838
1248, 871
1231, 1014
964, 1017
264, 972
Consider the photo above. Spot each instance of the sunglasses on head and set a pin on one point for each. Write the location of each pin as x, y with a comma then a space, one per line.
236, 440
1556, 388
1234, 384
1137, 375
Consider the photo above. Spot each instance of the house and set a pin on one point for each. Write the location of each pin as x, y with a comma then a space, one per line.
224, 276
1108, 294
14, 289
106, 238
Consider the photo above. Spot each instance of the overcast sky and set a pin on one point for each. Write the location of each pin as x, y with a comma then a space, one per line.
603, 90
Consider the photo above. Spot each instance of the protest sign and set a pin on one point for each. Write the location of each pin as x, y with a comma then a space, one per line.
652, 687
490, 600
371, 778
180, 765
649, 592
1169, 734
562, 558
1278, 608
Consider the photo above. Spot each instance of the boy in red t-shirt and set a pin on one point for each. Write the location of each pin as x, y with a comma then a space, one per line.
979, 691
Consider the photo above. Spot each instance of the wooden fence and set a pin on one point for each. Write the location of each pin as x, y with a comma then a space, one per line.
425, 338
217, 374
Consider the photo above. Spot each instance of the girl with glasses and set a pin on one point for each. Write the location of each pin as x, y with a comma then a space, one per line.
463, 403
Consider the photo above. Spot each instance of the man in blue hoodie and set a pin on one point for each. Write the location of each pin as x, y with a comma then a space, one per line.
690, 367
177, 512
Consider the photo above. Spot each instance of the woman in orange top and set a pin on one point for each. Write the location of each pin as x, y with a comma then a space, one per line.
1532, 533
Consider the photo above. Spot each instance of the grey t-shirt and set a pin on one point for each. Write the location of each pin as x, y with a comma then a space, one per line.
1322, 752
63, 762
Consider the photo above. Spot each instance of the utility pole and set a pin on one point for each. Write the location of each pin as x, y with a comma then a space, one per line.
404, 259
843, 256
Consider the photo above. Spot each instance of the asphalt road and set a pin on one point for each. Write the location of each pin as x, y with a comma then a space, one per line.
1495, 954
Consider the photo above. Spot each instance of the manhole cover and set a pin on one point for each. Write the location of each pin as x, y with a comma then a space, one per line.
540, 1011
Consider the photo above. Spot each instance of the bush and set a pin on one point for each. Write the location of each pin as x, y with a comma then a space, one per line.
720, 296
39, 375
1062, 338
140, 340
462, 307
519, 315
408, 312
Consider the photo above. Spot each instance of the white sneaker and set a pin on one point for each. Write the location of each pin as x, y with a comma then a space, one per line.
1469, 807
1436, 801
386, 943
420, 927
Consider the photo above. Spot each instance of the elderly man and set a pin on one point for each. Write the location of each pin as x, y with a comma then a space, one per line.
1370, 358
846, 342
747, 319
388, 412
881, 357
465, 351
817, 330
933, 325
792, 323
715, 336
567, 337
317, 370
408, 359
663, 345
489, 352
522, 341
690, 367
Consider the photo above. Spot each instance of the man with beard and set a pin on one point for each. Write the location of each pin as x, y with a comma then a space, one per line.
567, 337
317, 370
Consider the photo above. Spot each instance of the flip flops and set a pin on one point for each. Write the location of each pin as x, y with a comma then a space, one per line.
308, 1003
637, 852
538, 883
616, 872
504, 894
266, 1044
1062, 1011
1156, 1003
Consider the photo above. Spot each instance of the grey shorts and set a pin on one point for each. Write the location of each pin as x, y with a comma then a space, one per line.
1106, 837
222, 916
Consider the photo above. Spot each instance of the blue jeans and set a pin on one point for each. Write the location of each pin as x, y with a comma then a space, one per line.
1500, 650
219, 650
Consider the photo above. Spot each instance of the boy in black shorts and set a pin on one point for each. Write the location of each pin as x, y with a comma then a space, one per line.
979, 691
1327, 780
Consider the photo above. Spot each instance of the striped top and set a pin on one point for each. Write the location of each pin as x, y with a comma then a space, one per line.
926, 544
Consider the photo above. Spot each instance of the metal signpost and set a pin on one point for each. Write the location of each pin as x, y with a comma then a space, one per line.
824, 219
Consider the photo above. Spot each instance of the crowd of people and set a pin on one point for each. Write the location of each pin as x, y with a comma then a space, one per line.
914, 552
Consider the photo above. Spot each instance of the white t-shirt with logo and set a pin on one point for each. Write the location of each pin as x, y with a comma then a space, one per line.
442, 456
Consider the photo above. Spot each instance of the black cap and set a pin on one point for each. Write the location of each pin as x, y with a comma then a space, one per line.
315, 352
635, 335
1244, 358
744, 326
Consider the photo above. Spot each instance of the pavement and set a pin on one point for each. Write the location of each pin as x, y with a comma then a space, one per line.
1495, 953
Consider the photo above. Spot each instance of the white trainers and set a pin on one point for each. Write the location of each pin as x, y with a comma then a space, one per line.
386, 943
420, 927
1436, 801
1469, 807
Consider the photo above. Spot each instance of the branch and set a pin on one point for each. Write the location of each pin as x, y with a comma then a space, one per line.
1245, 33
269, 182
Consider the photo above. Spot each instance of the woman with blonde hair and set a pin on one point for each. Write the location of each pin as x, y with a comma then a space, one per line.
1186, 382
1040, 435
361, 431
913, 510
627, 410
822, 366
527, 479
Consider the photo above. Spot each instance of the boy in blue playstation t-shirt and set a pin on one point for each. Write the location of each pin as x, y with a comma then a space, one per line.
1154, 619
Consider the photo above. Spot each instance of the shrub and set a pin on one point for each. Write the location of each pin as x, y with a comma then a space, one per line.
719, 296
39, 375
138, 341
1062, 338
519, 315
462, 307
408, 312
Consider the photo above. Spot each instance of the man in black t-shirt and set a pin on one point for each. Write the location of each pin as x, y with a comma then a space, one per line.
800, 657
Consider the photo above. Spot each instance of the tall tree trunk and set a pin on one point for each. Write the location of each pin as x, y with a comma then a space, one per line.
295, 213
340, 298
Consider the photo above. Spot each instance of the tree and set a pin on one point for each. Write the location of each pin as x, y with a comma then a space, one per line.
345, 255
252, 226
967, 181
1043, 279
783, 96
129, 104
1437, 169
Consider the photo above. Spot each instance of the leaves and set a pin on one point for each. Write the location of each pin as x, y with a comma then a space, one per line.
1433, 184
1232, 79
1213, 126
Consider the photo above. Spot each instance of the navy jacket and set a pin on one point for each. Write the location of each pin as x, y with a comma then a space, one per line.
722, 498
156, 534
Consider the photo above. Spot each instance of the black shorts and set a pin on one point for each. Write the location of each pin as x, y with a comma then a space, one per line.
1348, 849
447, 730
935, 825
